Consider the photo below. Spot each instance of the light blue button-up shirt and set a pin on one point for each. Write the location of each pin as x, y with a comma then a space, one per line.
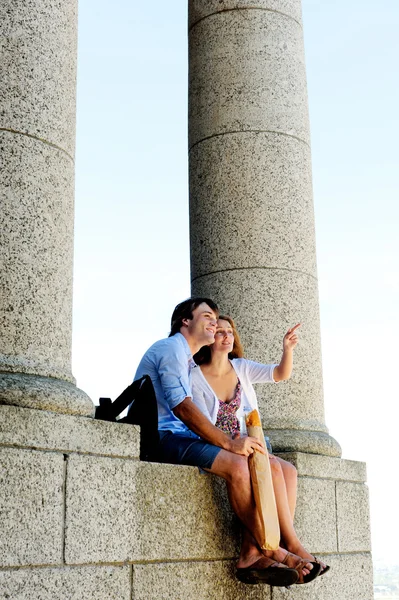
168, 362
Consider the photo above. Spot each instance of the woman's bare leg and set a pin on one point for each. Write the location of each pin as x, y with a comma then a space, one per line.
284, 509
285, 489
291, 483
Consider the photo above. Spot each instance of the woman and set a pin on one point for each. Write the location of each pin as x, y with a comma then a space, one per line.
222, 389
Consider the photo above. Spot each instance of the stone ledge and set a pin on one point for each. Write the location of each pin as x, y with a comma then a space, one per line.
38, 429
326, 467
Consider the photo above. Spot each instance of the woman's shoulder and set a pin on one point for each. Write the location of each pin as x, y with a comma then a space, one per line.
239, 364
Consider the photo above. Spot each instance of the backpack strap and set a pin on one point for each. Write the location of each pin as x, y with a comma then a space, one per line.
143, 411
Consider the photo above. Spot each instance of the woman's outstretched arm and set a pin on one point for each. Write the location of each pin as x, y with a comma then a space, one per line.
284, 369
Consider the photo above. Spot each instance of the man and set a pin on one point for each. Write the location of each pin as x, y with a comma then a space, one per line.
187, 437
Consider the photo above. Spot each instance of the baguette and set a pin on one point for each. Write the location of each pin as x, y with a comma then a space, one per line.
262, 486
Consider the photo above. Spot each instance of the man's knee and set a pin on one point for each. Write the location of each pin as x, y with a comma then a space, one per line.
233, 467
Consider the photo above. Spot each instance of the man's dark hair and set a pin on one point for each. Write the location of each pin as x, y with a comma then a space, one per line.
184, 310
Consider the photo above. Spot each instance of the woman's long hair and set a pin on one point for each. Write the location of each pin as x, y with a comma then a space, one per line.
203, 356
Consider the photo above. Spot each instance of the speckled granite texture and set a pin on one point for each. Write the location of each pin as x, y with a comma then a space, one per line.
113, 527
247, 73
38, 70
73, 583
198, 580
37, 144
128, 511
37, 250
31, 500
251, 204
43, 430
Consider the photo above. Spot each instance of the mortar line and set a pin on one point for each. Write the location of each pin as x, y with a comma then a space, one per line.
151, 562
320, 477
236, 8
35, 137
213, 135
131, 582
253, 268
64, 509
68, 451
336, 515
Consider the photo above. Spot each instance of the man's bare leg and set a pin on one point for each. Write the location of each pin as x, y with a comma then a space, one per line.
234, 469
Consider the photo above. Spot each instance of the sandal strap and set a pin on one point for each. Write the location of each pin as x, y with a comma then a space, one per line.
299, 564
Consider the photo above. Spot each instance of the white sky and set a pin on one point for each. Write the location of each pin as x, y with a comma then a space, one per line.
131, 193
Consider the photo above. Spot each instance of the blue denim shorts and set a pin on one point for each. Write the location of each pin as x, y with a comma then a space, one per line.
186, 449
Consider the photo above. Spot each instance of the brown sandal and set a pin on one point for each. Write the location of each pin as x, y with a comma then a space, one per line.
299, 564
323, 570
268, 571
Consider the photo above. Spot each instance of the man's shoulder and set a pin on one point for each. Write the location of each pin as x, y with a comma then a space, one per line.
169, 344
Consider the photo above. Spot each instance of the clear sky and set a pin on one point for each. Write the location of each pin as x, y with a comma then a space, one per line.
132, 191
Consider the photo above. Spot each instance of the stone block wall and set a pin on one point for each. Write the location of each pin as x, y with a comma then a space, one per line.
83, 518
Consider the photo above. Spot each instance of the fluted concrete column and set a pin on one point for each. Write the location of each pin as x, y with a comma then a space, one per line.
251, 207
37, 135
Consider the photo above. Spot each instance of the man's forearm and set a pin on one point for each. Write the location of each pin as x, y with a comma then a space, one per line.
284, 369
195, 420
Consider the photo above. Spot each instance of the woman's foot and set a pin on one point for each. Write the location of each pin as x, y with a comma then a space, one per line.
291, 560
299, 550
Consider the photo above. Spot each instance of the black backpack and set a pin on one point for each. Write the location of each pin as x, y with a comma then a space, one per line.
143, 411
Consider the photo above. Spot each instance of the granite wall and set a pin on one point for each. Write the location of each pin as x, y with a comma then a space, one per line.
83, 518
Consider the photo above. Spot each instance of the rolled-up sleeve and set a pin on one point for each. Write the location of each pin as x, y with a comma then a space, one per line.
174, 375
259, 373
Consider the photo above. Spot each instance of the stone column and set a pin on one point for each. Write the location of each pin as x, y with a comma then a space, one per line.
251, 207
37, 134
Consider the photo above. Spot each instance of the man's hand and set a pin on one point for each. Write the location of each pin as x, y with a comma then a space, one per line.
291, 339
246, 446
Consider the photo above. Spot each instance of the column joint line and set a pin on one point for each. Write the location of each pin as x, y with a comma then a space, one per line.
253, 268
208, 137
39, 139
236, 8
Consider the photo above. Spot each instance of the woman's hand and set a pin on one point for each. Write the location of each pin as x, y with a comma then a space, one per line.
283, 371
246, 446
290, 339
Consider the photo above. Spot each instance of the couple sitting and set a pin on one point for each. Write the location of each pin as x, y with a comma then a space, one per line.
199, 410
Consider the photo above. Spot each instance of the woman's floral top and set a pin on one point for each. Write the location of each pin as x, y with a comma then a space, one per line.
227, 420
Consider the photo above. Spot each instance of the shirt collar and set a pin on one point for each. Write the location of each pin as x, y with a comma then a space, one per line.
184, 343
190, 361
